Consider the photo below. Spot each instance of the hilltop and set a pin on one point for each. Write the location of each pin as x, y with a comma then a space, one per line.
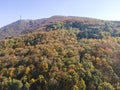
84, 24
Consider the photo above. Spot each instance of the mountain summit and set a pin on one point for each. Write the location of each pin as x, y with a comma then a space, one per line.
56, 22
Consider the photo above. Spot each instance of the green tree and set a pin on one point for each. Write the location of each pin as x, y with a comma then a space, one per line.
105, 86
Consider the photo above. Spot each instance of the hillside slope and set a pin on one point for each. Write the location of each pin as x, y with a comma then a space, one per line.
59, 60
88, 25
17, 27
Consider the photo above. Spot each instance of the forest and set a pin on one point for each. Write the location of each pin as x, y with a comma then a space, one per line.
66, 56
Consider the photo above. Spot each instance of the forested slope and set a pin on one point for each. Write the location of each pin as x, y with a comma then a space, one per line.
59, 60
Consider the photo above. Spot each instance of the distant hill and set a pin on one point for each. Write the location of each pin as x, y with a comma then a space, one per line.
17, 27
89, 25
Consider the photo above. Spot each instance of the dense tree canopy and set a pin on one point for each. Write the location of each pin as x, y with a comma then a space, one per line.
60, 60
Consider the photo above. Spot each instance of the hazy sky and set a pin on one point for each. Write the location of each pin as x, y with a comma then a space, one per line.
11, 10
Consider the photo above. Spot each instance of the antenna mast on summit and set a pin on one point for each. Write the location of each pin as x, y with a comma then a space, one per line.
20, 17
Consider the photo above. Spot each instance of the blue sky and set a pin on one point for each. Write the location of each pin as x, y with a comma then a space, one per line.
11, 10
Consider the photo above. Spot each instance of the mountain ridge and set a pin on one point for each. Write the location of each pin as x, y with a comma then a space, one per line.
26, 26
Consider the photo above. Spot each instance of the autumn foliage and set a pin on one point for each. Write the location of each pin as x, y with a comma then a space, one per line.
59, 60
